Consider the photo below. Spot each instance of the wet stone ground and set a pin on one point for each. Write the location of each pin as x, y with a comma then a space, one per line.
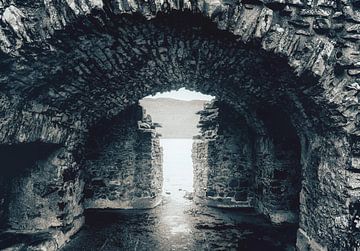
179, 224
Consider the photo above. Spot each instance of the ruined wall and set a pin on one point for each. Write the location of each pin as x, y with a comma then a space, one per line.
285, 161
123, 167
41, 184
354, 184
234, 166
222, 158
324, 210
40, 191
320, 37
67, 64
277, 180
277, 167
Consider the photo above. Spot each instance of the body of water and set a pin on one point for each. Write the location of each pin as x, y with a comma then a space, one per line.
177, 166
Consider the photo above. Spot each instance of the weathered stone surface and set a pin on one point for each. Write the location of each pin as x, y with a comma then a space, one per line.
235, 167
275, 175
278, 169
222, 158
325, 196
65, 65
42, 190
22, 26
123, 168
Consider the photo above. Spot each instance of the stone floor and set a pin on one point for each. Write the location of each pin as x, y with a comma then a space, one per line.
179, 224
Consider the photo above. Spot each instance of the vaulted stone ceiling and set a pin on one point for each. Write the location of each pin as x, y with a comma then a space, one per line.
73, 62
67, 64
95, 72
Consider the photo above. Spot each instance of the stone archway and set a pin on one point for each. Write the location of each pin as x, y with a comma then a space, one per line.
68, 65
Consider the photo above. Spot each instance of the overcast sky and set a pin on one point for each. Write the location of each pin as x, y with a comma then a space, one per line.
182, 94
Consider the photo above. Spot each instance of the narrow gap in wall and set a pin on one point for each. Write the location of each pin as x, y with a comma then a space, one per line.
176, 112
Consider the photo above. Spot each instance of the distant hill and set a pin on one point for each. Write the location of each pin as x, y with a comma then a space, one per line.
177, 117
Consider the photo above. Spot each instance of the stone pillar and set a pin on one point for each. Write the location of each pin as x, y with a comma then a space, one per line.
124, 163
222, 157
200, 167
329, 196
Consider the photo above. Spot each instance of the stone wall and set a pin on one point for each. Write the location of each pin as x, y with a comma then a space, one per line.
320, 37
40, 193
123, 166
277, 168
325, 197
235, 167
65, 65
222, 158
286, 162
354, 184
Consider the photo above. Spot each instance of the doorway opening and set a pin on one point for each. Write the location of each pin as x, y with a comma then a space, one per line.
176, 112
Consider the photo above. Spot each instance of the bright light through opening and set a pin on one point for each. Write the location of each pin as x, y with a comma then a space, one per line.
178, 169
176, 112
182, 94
